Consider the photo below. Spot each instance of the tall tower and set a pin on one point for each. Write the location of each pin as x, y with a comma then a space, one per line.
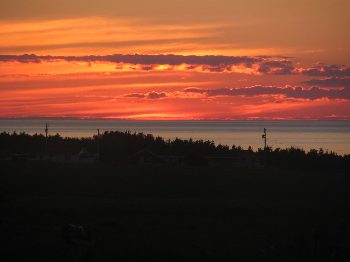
264, 137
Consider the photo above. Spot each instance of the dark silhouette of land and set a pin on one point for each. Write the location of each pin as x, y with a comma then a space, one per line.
142, 198
127, 147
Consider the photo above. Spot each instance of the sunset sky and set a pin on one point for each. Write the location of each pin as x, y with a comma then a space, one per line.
157, 59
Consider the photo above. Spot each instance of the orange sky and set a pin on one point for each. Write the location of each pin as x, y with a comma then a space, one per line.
175, 59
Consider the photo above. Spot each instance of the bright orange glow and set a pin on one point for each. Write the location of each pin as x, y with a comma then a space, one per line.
215, 63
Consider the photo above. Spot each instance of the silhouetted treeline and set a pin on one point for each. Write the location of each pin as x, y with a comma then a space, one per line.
22, 143
296, 158
121, 146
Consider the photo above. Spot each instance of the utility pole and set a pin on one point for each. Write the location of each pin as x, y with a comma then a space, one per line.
264, 137
46, 136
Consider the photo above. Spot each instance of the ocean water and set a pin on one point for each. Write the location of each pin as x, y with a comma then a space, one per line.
329, 135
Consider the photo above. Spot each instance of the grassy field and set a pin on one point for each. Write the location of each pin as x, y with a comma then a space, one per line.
181, 213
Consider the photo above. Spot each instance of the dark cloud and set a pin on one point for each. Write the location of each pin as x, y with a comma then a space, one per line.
150, 95
195, 90
210, 63
155, 95
137, 95
21, 58
327, 71
263, 64
168, 59
291, 92
282, 67
330, 82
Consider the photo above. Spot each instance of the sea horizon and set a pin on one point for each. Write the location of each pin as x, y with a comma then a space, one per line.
330, 135
170, 119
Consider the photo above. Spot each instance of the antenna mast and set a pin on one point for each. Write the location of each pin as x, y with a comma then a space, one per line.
264, 137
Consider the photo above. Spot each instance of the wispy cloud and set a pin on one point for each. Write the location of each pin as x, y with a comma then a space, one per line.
168, 59
326, 70
83, 34
263, 65
290, 92
330, 82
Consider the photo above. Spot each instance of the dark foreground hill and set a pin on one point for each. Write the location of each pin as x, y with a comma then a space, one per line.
152, 212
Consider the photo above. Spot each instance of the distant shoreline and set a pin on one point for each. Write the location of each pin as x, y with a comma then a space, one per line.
330, 135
